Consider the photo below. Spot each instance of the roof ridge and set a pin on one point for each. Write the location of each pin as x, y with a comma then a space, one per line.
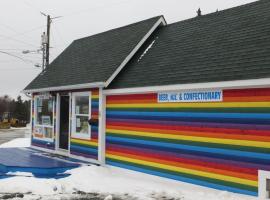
219, 12
114, 29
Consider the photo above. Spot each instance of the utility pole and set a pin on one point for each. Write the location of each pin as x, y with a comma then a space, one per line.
48, 41
43, 49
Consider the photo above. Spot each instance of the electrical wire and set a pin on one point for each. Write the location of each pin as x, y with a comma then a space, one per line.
94, 8
24, 33
18, 57
16, 40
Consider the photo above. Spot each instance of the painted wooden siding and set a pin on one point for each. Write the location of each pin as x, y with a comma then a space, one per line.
219, 145
88, 148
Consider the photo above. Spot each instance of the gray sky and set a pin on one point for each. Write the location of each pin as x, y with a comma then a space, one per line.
21, 26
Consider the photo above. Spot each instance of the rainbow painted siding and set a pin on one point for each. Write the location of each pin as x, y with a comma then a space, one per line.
88, 148
219, 145
40, 142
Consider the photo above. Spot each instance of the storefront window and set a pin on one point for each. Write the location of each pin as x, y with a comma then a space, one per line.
44, 111
44, 116
81, 113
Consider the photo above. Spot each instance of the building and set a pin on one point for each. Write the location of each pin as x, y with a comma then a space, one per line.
188, 101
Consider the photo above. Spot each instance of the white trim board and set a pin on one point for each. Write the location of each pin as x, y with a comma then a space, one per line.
101, 127
67, 155
251, 83
67, 87
161, 21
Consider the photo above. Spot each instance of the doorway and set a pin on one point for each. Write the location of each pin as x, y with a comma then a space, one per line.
64, 123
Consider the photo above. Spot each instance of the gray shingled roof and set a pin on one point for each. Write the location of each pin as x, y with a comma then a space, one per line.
93, 59
233, 44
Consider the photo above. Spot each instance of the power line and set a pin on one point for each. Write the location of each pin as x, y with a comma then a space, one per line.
18, 57
31, 6
20, 41
25, 32
94, 8
12, 49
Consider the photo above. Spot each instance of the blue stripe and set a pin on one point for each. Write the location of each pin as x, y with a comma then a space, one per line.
94, 104
226, 152
179, 178
85, 150
94, 128
192, 119
192, 114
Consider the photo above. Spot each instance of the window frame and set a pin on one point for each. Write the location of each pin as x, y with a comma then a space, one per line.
75, 134
43, 126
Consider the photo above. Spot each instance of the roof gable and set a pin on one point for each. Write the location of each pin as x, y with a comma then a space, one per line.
227, 45
94, 60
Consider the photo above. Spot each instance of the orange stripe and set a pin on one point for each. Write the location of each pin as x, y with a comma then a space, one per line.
91, 140
247, 99
38, 136
194, 133
188, 166
95, 92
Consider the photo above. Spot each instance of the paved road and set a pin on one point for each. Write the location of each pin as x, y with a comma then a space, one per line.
10, 134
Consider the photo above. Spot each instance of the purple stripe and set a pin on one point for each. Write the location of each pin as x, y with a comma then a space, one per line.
94, 109
83, 155
94, 134
197, 124
194, 157
42, 146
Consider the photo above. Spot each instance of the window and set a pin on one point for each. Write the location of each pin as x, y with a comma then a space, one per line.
81, 113
44, 108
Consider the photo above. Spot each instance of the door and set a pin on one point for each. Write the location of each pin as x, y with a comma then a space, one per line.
64, 123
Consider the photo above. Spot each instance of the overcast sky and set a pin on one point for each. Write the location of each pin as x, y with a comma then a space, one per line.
21, 26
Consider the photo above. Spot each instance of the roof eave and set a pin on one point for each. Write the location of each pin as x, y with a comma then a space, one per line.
66, 87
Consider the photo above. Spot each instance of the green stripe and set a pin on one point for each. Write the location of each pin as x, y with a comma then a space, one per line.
204, 144
211, 180
210, 110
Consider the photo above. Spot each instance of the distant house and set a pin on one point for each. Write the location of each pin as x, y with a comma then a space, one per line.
188, 101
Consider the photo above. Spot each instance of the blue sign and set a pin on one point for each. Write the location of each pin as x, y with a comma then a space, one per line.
191, 96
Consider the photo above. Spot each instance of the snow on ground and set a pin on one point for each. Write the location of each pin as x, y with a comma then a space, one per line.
19, 142
110, 181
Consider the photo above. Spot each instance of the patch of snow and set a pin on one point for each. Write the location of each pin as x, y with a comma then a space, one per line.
28, 127
18, 142
115, 181
27, 174
146, 50
109, 197
112, 181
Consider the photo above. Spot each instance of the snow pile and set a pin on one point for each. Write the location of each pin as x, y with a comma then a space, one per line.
115, 182
19, 142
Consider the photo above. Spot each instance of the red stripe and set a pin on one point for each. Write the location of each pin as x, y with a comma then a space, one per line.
246, 92
168, 157
151, 96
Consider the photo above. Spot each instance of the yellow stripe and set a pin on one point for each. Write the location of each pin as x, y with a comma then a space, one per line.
95, 96
84, 142
193, 105
187, 171
193, 138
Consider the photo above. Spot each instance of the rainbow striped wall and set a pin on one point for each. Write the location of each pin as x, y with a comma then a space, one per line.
36, 140
88, 148
219, 145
